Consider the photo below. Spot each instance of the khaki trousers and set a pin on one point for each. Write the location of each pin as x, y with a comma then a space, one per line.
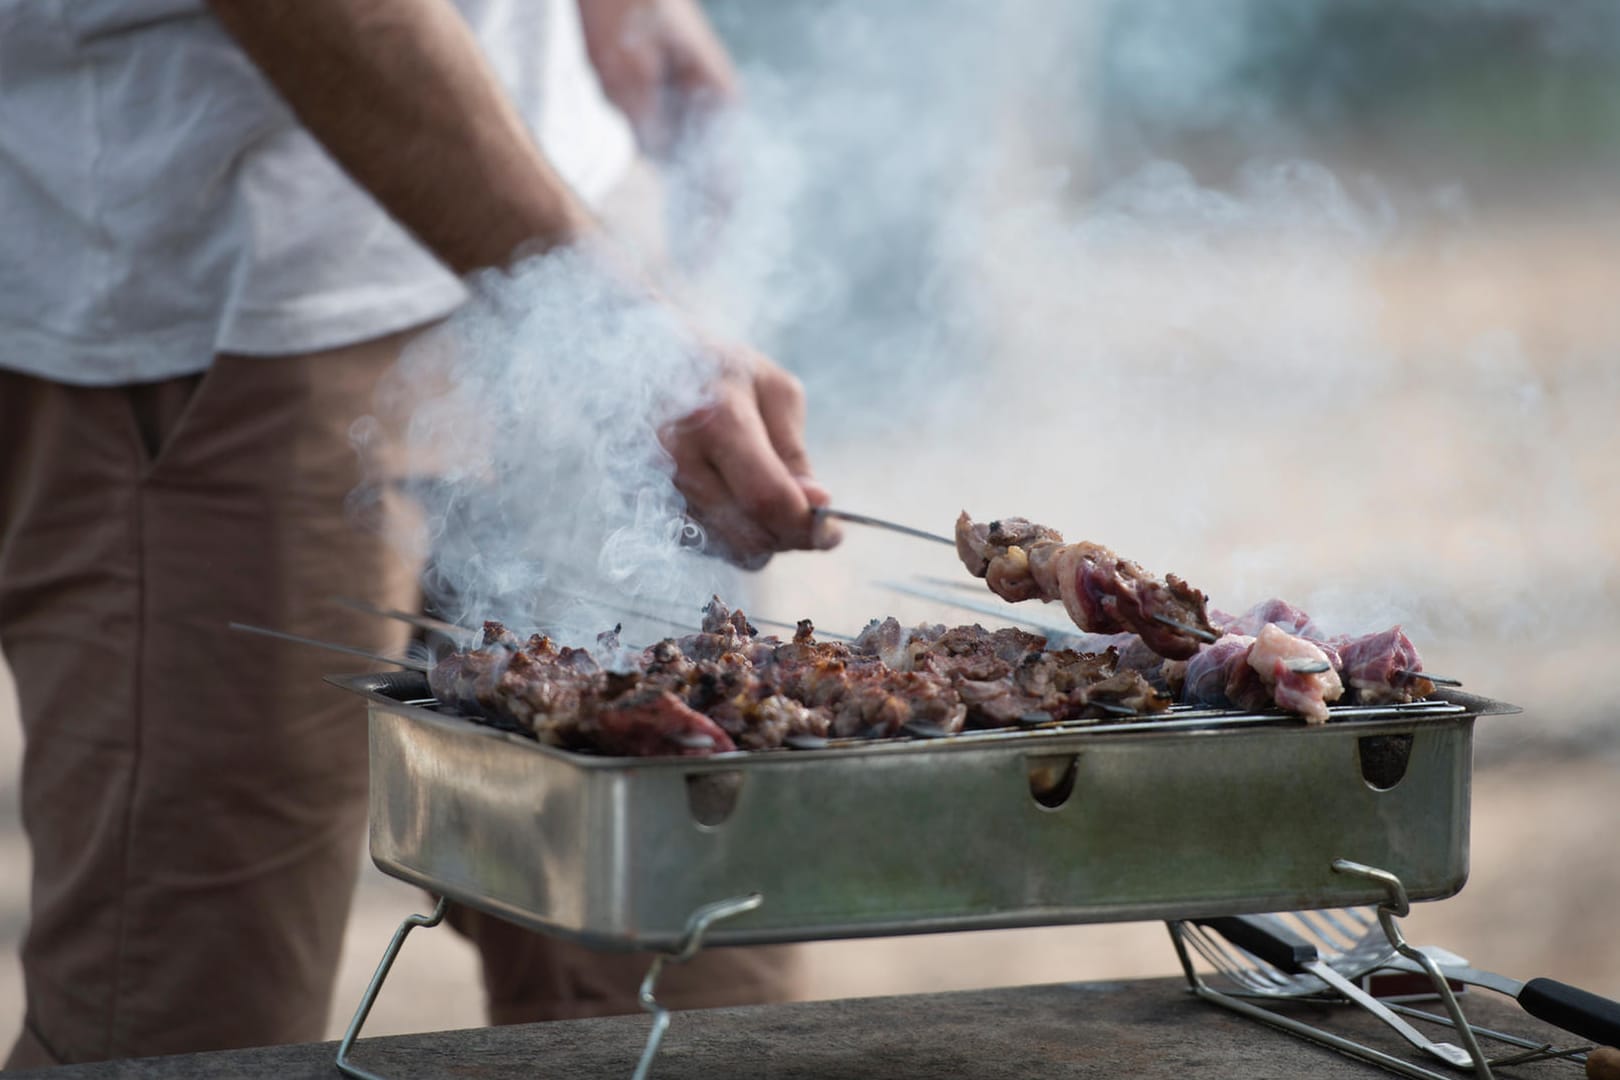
195, 798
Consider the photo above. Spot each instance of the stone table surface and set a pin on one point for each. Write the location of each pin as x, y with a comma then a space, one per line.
1148, 1028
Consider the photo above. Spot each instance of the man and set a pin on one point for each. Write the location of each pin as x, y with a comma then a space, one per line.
200, 286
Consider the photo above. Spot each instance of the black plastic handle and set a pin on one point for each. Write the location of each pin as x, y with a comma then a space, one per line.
1573, 1009
1268, 939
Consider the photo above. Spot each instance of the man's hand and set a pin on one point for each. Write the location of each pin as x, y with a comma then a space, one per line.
660, 63
742, 465
1603, 1064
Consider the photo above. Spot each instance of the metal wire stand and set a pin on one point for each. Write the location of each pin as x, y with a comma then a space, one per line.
691, 941
1397, 906
369, 998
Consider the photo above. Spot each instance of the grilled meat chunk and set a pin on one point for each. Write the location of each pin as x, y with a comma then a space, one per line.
646, 723
1383, 668
1306, 693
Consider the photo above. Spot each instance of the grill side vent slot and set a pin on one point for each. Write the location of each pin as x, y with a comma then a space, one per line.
1384, 759
1051, 778
712, 796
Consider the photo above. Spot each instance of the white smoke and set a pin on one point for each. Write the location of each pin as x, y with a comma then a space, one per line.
1272, 375
530, 434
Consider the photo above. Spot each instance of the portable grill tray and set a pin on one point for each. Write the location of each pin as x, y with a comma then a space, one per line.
1210, 812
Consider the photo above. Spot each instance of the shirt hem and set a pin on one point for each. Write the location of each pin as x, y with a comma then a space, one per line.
290, 330
129, 360
312, 325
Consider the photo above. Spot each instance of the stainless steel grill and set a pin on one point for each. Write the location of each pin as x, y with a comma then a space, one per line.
1205, 812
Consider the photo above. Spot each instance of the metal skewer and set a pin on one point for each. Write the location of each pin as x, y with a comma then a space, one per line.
1049, 629
879, 523
421, 622
332, 646
1197, 632
623, 609
1438, 680
976, 586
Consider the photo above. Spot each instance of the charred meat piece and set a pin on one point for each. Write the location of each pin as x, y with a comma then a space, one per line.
1123, 690
749, 706
887, 640
726, 686
1000, 553
772, 720
650, 722
880, 705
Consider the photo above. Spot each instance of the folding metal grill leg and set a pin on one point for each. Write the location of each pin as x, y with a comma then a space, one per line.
1398, 907
369, 998
1292, 1026
691, 941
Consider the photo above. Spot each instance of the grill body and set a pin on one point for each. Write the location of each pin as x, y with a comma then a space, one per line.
1208, 814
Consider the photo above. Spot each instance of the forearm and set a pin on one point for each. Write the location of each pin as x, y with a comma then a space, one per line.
400, 95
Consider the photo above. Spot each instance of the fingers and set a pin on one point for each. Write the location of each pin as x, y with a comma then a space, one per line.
742, 465
730, 533
760, 483
825, 532
781, 408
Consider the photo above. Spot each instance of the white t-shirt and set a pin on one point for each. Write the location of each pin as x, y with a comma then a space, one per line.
159, 204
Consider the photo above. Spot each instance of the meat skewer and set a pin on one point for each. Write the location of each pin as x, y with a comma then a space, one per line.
1101, 592
679, 624
1438, 680
1366, 667
1039, 626
1272, 667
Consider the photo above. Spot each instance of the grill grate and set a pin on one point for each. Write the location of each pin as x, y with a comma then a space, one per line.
1179, 718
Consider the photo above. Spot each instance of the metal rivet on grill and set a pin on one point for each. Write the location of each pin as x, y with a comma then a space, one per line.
1036, 717
691, 740
922, 729
800, 740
